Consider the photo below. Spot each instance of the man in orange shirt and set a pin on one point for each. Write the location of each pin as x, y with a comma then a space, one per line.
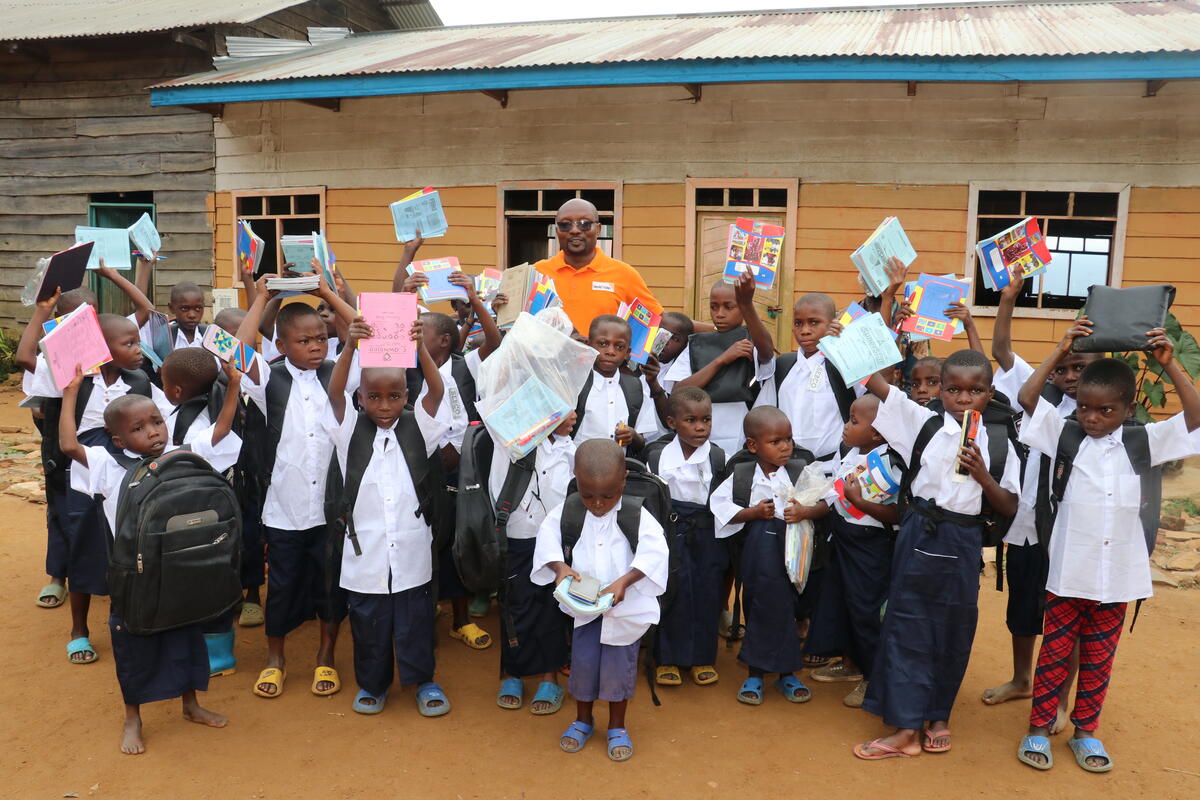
588, 281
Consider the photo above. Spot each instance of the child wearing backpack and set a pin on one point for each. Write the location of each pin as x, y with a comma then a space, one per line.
957, 492
295, 452
173, 663
690, 464
614, 404
750, 500
1098, 518
729, 362
387, 459
601, 532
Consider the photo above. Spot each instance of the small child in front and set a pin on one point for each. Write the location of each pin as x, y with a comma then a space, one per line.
1099, 546
932, 605
628, 556
173, 663
751, 499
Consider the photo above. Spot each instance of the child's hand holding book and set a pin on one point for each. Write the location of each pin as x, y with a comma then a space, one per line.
743, 289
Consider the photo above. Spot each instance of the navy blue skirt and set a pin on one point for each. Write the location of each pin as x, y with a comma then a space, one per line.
687, 634
160, 666
87, 530
534, 634
769, 600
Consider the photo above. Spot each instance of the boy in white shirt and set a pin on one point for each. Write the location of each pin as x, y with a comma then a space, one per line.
604, 650
1099, 544
614, 404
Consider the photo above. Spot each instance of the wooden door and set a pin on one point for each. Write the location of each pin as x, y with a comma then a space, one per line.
712, 240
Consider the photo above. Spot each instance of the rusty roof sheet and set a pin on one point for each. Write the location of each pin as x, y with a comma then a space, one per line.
23, 20
944, 30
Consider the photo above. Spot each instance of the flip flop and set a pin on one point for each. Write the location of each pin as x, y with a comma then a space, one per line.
252, 615
511, 687
888, 751
1035, 744
704, 676
56, 591
373, 708
754, 688
1090, 747
667, 675
431, 691
81, 645
619, 737
548, 692
326, 674
273, 676
791, 687
580, 732
472, 636
928, 745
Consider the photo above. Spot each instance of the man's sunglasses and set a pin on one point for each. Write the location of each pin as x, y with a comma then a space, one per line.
584, 225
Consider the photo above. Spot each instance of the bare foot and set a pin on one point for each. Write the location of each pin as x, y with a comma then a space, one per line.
1005, 692
198, 713
1060, 721
906, 741
131, 737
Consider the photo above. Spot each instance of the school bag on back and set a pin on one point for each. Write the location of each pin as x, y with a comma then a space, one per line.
175, 556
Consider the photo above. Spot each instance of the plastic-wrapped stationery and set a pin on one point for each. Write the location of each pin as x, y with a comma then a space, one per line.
530, 384
799, 537
865, 346
75, 341
1020, 247
565, 594
878, 478
886, 241
421, 210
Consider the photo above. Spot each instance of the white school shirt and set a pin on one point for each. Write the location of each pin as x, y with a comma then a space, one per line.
605, 407
395, 542
1023, 530
809, 403
688, 479
603, 552
762, 487
459, 419
296, 497
726, 417
900, 419
1098, 548
105, 475
553, 467
843, 466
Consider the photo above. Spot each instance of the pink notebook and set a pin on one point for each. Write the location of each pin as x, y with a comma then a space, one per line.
390, 315
76, 340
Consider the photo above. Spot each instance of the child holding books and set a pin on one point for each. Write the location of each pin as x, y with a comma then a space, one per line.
174, 663
729, 361
1099, 539
750, 499
932, 604
689, 464
614, 404
601, 533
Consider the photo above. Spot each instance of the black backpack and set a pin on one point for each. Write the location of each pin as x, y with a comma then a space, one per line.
843, 394
279, 389
481, 528
652, 455
460, 373
735, 383
631, 387
175, 557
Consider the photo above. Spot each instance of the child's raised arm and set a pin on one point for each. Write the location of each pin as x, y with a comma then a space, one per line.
1032, 390
358, 329
233, 396
491, 332
249, 285
143, 271
1002, 334
27, 348
401, 279
141, 304
248, 330
435, 387
960, 311
896, 272
1164, 353
344, 290
68, 441
327, 293
763, 343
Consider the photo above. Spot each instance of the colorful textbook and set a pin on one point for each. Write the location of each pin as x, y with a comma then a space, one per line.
391, 316
644, 326
438, 271
886, 241
249, 248
756, 247
865, 346
878, 478
929, 298
420, 210
76, 340
1020, 247
227, 347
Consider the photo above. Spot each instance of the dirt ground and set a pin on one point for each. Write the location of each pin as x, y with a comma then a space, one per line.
61, 723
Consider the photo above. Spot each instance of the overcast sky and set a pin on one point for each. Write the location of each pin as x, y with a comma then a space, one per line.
478, 12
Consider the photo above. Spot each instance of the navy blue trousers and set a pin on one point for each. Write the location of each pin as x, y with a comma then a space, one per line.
769, 601
296, 581
932, 611
392, 632
534, 634
687, 634
58, 547
160, 666
855, 587
87, 531
1026, 567
253, 552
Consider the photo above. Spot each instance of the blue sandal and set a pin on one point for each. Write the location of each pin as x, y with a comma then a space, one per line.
1090, 747
81, 645
619, 737
580, 732
427, 692
548, 692
754, 688
511, 687
793, 689
374, 708
1035, 744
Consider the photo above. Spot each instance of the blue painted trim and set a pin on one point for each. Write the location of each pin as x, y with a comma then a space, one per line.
1144, 66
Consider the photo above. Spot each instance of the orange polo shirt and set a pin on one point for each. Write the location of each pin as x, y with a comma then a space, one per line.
599, 288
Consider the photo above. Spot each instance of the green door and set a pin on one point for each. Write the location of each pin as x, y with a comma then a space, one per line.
116, 215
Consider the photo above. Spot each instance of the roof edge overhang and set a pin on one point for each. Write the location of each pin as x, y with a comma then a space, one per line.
984, 69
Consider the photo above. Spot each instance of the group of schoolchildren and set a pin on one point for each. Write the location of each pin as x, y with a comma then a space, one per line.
347, 478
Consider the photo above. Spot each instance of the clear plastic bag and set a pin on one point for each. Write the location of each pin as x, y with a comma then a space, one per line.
800, 537
531, 383
29, 293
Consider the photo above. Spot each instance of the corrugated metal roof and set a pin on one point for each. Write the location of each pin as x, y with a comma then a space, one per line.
949, 30
409, 15
24, 20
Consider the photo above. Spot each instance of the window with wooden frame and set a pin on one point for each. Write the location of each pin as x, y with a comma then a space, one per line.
525, 217
273, 213
1084, 226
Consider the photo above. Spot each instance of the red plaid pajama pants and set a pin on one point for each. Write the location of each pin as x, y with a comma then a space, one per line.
1097, 628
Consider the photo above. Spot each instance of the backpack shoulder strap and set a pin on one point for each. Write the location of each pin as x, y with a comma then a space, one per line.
512, 491
1137, 448
358, 456
1053, 477
324, 373
716, 463
185, 415
279, 389
997, 450
631, 387
461, 374
743, 479
581, 404
924, 436
81, 400
843, 394
653, 452
138, 381
571, 524
629, 520
783, 365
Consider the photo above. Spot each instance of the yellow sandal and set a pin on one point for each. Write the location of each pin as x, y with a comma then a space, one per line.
326, 674
273, 676
703, 676
472, 636
667, 675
